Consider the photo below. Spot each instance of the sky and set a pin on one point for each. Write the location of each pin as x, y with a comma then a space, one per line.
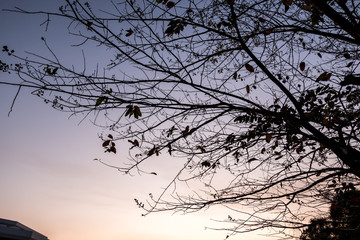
48, 178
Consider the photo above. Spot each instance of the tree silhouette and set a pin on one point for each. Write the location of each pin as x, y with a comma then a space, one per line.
260, 99
343, 222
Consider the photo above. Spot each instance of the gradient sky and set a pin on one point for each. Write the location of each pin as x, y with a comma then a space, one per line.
48, 179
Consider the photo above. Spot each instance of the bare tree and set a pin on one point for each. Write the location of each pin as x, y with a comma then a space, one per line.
259, 98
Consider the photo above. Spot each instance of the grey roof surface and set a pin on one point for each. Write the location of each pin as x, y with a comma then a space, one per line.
12, 230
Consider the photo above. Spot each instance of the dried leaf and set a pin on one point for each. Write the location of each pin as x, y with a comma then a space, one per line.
129, 32
170, 4
262, 19
205, 164
287, 4
231, 2
307, 8
106, 143
135, 143
247, 89
249, 67
302, 66
113, 149
349, 64
186, 131
267, 32
325, 76
137, 112
202, 149
235, 75
268, 137
99, 101
252, 159
89, 24
129, 110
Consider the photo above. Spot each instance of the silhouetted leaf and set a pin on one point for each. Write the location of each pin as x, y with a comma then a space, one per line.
235, 75
113, 149
325, 76
347, 55
287, 4
106, 143
205, 164
302, 66
170, 4
89, 24
202, 149
137, 112
99, 100
349, 64
129, 32
230, 2
135, 143
129, 110
262, 19
186, 131
249, 67
268, 137
269, 31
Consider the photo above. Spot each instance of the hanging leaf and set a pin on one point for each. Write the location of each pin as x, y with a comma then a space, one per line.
137, 112
100, 100
307, 8
249, 67
153, 173
129, 32
106, 143
205, 164
319, 54
347, 55
110, 136
287, 4
349, 64
135, 143
262, 19
247, 89
152, 151
235, 75
299, 149
202, 149
186, 131
252, 159
231, 2
302, 66
268, 137
89, 24
170, 4
112, 149
269, 31
325, 76
129, 111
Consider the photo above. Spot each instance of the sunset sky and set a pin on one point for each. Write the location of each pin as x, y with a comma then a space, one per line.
48, 178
